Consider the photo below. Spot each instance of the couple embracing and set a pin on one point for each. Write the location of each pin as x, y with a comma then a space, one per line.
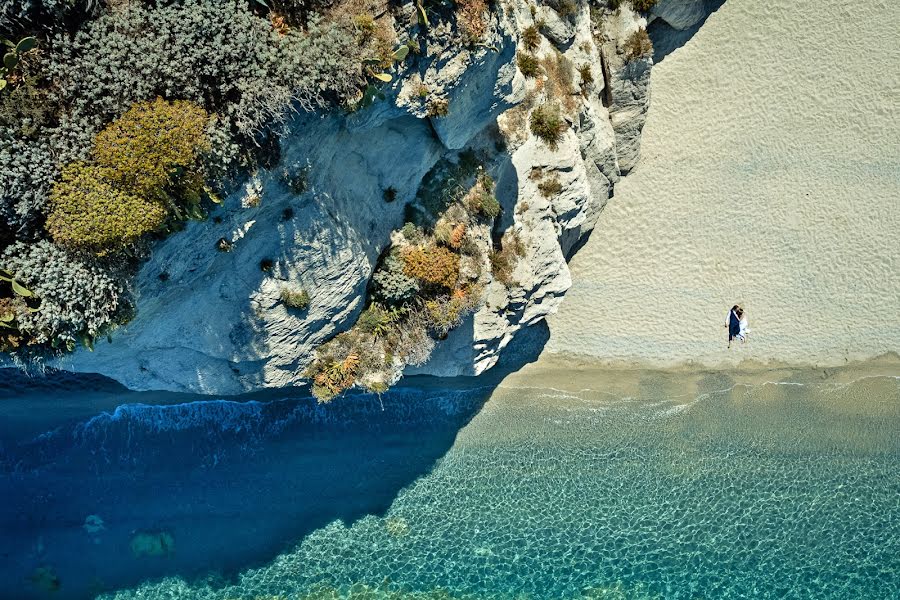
736, 324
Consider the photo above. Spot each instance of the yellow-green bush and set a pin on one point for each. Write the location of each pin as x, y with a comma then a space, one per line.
151, 143
547, 124
89, 212
293, 297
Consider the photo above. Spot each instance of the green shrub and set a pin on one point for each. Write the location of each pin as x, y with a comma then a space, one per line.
480, 199
28, 168
445, 184
504, 260
88, 212
643, 5
28, 159
10, 336
446, 312
391, 284
443, 229
144, 149
559, 83
587, 76
531, 37
332, 375
293, 297
528, 64
215, 53
78, 297
547, 124
414, 344
564, 8
413, 234
353, 357
376, 321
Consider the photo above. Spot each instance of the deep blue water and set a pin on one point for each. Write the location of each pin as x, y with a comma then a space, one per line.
233, 481
644, 488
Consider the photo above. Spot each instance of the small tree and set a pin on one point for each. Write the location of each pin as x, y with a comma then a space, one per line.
88, 212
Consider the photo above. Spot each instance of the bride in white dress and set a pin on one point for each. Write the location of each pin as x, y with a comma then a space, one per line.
744, 327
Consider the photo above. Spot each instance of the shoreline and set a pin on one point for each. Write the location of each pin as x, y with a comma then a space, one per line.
575, 372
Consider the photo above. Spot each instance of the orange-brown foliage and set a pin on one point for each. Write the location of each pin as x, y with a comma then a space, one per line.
432, 264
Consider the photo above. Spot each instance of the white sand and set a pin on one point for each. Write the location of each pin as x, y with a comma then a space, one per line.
770, 176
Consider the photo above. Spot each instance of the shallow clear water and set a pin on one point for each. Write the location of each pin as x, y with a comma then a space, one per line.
652, 486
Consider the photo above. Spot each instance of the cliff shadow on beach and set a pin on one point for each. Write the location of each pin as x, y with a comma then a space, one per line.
667, 39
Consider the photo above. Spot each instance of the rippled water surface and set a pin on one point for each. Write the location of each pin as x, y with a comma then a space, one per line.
639, 486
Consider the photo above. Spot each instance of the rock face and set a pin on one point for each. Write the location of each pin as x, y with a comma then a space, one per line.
211, 321
629, 86
680, 14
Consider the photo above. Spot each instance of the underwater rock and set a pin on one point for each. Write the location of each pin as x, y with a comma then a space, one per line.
93, 524
158, 543
45, 579
397, 526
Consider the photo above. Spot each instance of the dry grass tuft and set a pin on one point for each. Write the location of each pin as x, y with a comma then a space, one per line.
638, 45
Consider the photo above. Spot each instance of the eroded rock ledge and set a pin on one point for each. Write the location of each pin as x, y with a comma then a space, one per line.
212, 322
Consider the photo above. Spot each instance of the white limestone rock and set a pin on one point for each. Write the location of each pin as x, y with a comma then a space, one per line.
216, 325
680, 14
558, 30
214, 322
629, 85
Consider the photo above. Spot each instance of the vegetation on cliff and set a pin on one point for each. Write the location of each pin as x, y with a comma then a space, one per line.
120, 121
428, 280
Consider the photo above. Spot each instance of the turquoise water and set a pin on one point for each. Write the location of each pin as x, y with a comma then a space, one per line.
654, 487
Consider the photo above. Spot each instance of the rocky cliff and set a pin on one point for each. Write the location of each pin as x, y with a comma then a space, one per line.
210, 321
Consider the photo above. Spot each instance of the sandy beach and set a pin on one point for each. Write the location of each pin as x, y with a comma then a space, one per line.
769, 177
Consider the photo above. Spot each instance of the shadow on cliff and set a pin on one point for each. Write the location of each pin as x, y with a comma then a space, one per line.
233, 482
666, 39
